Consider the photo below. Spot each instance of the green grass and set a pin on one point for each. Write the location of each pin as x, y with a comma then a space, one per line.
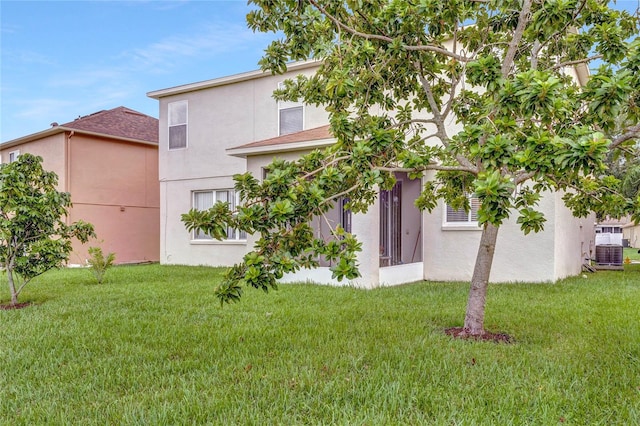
631, 253
151, 346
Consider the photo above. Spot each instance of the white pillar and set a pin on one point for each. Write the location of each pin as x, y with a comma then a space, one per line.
366, 228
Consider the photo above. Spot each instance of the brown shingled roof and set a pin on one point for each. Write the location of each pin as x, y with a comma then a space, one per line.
120, 122
315, 134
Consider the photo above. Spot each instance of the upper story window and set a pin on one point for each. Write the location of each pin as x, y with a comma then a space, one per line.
13, 156
462, 217
290, 116
204, 200
609, 230
178, 124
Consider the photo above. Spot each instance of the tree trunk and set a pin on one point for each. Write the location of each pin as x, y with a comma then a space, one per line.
12, 287
474, 318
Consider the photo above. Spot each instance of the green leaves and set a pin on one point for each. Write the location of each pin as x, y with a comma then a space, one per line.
607, 94
494, 192
99, 263
281, 209
212, 222
585, 154
502, 108
34, 236
485, 72
531, 220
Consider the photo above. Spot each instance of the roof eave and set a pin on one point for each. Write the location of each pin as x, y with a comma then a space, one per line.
120, 138
236, 78
61, 129
34, 136
279, 148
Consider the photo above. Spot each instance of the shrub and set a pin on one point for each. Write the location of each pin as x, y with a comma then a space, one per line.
99, 263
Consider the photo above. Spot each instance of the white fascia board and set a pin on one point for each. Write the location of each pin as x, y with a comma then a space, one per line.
270, 149
235, 78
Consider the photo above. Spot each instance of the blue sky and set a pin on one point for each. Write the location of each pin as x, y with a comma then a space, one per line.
63, 59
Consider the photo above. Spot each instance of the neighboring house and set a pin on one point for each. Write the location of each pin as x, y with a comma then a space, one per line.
631, 235
211, 130
620, 231
108, 161
609, 231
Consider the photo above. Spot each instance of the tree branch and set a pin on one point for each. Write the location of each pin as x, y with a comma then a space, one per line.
517, 36
414, 120
340, 194
577, 61
432, 166
427, 48
318, 170
628, 134
521, 177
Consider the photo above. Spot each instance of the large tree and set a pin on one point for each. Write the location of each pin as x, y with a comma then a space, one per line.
34, 235
488, 98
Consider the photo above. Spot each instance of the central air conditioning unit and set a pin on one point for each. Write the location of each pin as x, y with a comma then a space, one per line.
609, 255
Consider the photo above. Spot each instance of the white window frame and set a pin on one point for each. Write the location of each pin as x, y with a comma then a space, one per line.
288, 105
236, 236
13, 155
170, 106
469, 224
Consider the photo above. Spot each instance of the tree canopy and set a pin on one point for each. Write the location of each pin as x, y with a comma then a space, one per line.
34, 236
490, 98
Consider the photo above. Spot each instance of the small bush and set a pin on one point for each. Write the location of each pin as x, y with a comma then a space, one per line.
99, 263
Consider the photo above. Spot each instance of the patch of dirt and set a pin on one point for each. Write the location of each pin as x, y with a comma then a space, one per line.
460, 333
9, 306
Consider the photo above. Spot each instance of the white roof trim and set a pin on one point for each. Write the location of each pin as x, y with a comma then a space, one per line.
244, 152
62, 129
235, 78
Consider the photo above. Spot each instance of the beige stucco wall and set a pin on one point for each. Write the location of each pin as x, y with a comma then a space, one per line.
547, 256
219, 118
225, 115
574, 242
177, 246
632, 233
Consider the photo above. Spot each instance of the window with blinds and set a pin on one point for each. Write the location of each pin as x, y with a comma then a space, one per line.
460, 216
204, 200
290, 116
291, 120
177, 124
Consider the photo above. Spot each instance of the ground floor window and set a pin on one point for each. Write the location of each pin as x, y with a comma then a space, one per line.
461, 216
204, 200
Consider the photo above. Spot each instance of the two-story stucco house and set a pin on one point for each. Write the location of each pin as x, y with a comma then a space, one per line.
211, 130
108, 161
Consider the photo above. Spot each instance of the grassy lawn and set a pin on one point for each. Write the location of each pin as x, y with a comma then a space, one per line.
151, 346
631, 253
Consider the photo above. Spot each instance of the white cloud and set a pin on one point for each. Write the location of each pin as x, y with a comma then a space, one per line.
66, 90
87, 76
210, 41
41, 107
27, 57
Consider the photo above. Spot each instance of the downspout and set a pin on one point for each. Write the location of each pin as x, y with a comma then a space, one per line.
67, 167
